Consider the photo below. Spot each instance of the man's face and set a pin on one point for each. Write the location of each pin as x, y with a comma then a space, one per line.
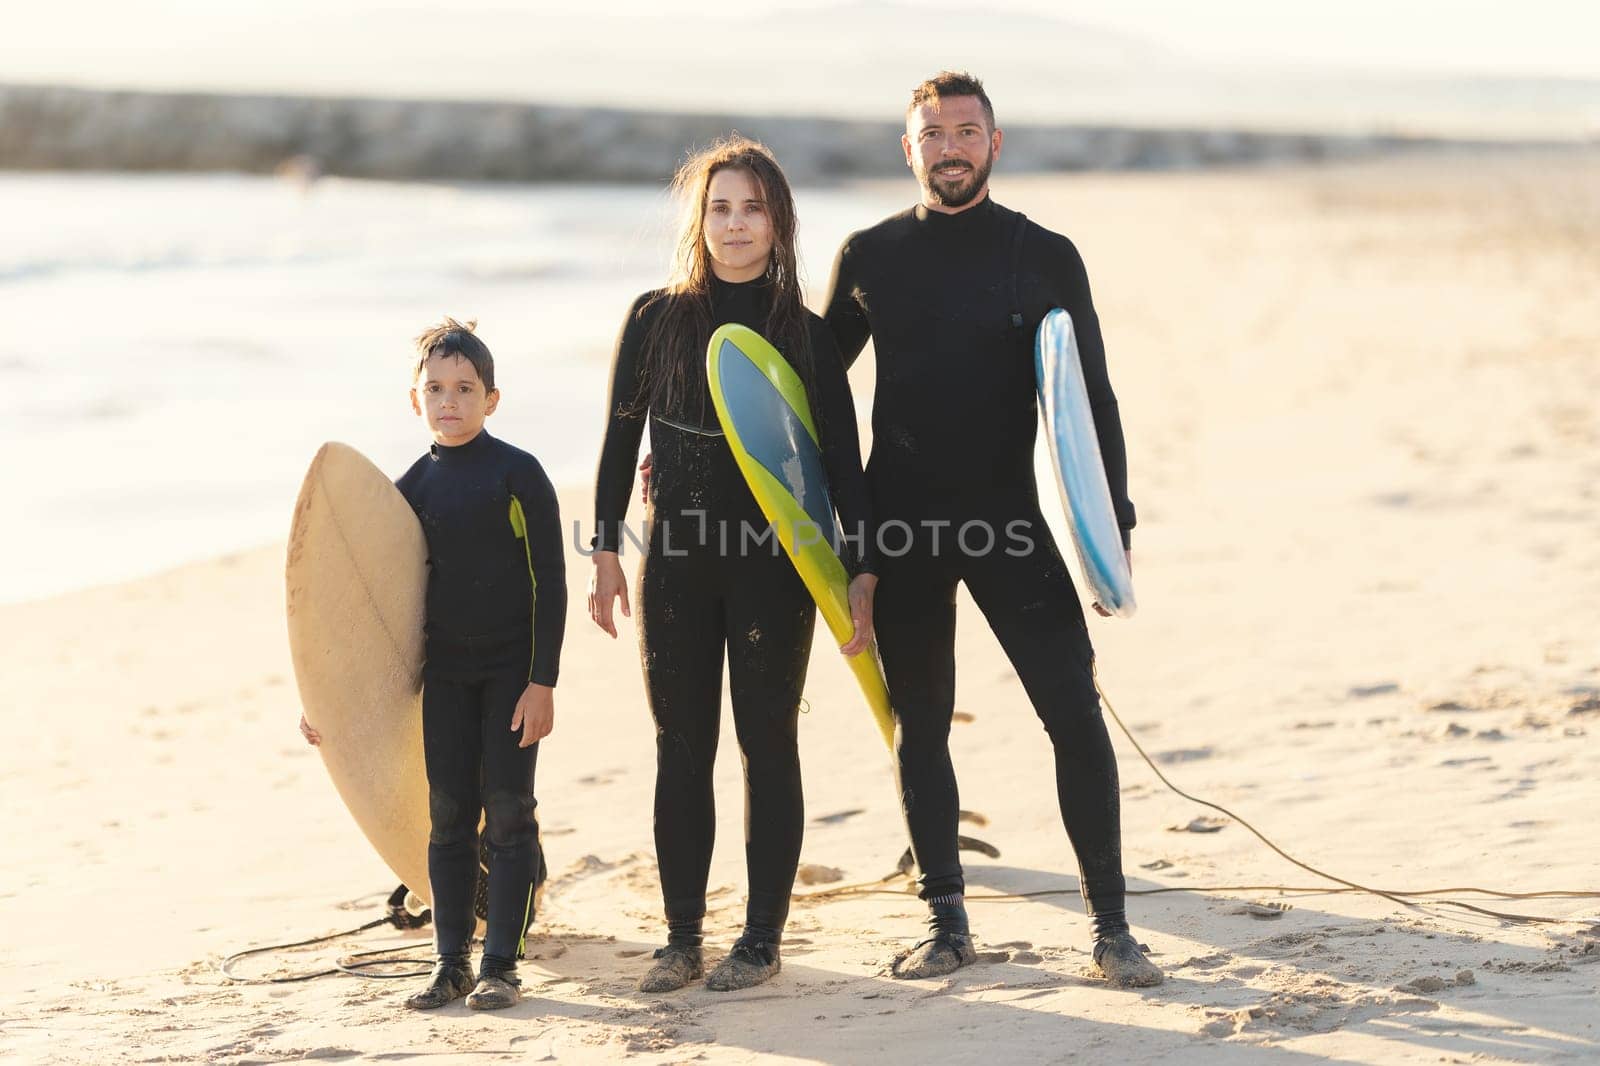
951, 148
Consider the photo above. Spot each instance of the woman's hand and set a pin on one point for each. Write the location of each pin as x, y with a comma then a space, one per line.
646, 468
535, 714
605, 585
862, 588
312, 736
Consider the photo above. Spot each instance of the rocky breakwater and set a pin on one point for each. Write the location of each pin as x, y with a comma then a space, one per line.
53, 128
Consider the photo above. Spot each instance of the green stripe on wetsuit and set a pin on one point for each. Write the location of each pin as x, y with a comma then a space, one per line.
519, 526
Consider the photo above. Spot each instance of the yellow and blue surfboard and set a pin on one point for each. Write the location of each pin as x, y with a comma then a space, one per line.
762, 406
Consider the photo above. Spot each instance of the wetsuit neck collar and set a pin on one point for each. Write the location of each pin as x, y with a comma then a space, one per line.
447, 453
755, 286
973, 216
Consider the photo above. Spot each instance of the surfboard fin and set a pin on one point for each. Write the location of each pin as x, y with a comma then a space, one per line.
908, 861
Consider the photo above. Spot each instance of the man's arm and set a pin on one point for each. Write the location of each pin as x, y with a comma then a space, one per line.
1074, 278
842, 311
841, 453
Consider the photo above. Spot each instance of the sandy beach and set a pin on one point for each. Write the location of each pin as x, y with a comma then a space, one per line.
1364, 444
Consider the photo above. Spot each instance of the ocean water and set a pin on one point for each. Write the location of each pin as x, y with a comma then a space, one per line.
175, 348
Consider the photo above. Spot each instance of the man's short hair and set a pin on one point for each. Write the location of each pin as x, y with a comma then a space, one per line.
950, 83
452, 338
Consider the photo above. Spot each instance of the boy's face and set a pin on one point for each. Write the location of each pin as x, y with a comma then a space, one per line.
450, 395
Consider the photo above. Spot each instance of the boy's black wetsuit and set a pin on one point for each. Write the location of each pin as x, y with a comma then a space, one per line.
496, 610
953, 422
699, 593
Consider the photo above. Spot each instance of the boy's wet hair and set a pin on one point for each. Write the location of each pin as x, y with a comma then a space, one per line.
950, 83
452, 338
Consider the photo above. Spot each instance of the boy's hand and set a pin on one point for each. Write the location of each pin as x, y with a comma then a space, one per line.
535, 714
1101, 611
645, 469
862, 588
605, 585
312, 736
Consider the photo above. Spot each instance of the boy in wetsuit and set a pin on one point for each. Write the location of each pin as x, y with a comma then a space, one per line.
496, 607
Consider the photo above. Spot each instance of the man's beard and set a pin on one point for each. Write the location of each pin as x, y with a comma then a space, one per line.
947, 194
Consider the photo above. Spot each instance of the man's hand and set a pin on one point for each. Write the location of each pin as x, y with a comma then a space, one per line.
645, 470
605, 585
862, 589
1101, 611
535, 714
312, 736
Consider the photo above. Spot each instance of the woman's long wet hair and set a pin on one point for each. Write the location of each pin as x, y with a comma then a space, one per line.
675, 347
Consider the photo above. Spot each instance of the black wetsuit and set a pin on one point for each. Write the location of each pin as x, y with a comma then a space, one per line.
952, 303
707, 584
496, 611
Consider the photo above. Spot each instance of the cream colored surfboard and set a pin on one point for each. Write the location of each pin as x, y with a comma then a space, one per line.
357, 576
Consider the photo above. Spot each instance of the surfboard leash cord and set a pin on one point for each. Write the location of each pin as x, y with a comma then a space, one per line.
1415, 899
356, 963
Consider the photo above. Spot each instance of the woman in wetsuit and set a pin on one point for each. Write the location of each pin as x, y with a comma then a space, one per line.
710, 580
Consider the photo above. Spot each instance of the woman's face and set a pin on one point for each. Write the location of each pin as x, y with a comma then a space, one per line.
737, 226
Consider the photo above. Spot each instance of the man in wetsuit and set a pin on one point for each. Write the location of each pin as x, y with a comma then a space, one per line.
951, 293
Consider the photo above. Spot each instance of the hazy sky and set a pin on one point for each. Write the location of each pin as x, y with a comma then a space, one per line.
112, 41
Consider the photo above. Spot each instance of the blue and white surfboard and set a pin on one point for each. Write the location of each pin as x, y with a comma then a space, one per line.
1080, 471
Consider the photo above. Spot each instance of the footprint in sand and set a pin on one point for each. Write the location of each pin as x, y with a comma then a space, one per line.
590, 865
812, 873
1428, 984
1483, 761
549, 951
1519, 787
1589, 705
1182, 755
1203, 824
963, 716
1018, 952
1205, 962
